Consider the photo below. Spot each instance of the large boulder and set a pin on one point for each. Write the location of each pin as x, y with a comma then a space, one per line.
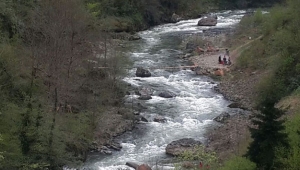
176, 148
141, 72
222, 117
166, 95
175, 18
208, 21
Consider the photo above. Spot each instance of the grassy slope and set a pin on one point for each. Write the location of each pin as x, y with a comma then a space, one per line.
261, 59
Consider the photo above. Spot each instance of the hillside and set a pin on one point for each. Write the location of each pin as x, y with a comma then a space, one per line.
263, 79
54, 99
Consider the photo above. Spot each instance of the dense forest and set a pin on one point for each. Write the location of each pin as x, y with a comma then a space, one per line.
52, 94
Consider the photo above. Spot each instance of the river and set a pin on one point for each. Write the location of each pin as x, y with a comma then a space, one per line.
188, 114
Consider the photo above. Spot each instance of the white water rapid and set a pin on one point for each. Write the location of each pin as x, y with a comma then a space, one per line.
188, 114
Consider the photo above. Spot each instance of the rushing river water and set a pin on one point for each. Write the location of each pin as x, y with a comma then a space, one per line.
188, 114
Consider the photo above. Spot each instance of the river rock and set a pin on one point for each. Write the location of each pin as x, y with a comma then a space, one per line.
145, 97
143, 119
234, 105
144, 91
166, 94
132, 165
209, 21
175, 18
134, 37
202, 71
160, 119
219, 72
143, 167
105, 150
176, 148
141, 72
222, 117
115, 146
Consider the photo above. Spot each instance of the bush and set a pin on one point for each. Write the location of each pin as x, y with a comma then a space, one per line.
289, 158
199, 154
238, 163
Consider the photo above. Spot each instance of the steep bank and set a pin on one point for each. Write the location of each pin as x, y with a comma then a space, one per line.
238, 86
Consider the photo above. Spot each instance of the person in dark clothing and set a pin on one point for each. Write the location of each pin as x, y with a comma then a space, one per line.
220, 60
224, 60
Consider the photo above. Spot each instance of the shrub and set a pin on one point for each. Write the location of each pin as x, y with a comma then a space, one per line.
289, 158
238, 163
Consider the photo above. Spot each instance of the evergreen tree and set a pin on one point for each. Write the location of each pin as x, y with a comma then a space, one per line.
267, 135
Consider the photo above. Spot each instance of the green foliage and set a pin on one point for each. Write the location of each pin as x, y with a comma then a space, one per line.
140, 14
238, 163
256, 60
199, 154
268, 134
245, 3
258, 17
288, 158
7, 19
34, 133
277, 50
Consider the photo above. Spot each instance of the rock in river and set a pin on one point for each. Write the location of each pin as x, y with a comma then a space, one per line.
166, 94
177, 147
141, 72
160, 119
209, 21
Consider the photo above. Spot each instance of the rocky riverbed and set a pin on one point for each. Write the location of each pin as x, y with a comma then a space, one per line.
193, 103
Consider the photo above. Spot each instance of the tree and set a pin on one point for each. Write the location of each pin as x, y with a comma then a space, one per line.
1, 153
267, 135
289, 157
60, 36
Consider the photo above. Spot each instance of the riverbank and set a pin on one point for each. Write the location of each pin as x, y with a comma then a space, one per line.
231, 137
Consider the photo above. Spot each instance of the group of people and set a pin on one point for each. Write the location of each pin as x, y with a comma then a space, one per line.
226, 58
